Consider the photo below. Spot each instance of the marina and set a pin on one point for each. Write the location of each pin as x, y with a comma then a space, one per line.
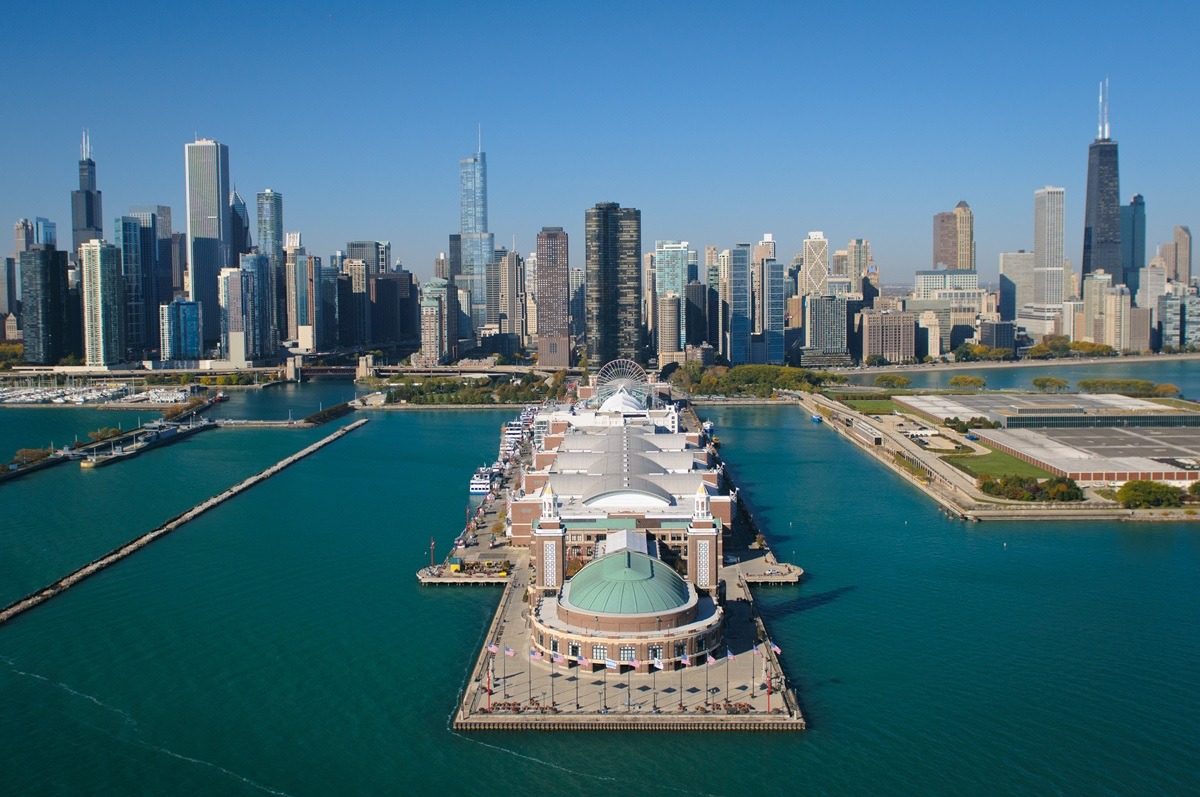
150, 436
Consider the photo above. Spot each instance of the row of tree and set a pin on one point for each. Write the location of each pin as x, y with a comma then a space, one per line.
1059, 346
1128, 387
748, 380
1150, 495
1028, 488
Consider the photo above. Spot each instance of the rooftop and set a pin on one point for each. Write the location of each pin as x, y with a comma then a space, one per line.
627, 582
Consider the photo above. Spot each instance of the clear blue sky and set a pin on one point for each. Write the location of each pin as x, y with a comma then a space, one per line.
720, 121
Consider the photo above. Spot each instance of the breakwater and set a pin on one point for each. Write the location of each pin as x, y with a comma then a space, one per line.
117, 554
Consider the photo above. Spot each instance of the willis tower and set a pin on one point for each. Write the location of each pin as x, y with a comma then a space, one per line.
1102, 212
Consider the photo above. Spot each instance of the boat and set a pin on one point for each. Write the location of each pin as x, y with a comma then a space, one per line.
217, 399
481, 482
817, 418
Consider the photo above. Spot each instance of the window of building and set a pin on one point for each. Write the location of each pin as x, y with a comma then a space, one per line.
680, 649
573, 649
627, 652
599, 652
554, 646
655, 651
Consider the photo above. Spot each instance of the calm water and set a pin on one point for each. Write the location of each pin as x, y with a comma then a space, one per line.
1184, 374
280, 644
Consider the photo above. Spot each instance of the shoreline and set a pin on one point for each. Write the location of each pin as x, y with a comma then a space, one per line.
1126, 359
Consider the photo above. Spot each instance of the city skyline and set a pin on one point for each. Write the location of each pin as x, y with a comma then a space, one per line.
986, 154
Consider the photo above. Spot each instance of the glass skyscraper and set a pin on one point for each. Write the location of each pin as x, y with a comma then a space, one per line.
737, 281
209, 228
478, 245
43, 271
128, 239
613, 284
671, 276
270, 243
86, 215
1102, 211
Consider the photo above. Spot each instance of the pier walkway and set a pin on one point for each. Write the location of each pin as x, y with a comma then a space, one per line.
116, 555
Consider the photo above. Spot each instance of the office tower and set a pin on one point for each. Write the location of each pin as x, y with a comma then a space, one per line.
44, 317
669, 335
774, 307
613, 245
945, 240
337, 259
1095, 287
354, 303
649, 288
964, 222
208, 226
1049, 265
454, 255
695, 313
103, 303
441, 266
234, 298
439, 321
23, 236
670, 276
179, 325
304, 270
395, 308
554, 338
1151, 284
128, 240
1016, 282
578, 304
1102, 209
814, 276
1133, 238
87, 220
734, 265
159, 289
693, 268
839, 264
261, 334
376, 254
764, 250
1177, 256
179, 255
239, 227
510, 296
270, 243
478, 245
45, 232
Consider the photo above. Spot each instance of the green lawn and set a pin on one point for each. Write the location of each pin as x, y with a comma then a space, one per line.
871, 406
998, 464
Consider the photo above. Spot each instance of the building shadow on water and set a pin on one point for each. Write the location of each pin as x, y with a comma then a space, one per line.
804, 603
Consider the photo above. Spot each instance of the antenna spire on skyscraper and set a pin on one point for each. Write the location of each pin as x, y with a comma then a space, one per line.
1106, 100
85, 147
480, 149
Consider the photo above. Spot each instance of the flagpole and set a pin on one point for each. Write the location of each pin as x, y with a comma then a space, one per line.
578, 672
605, 686
707, 694
531, 682
504, 675
753, 671
552, 680
629, 689
654, 684
728, 667
681, 684
489, 686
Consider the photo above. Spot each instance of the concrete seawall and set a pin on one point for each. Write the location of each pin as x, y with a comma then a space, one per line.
116, 555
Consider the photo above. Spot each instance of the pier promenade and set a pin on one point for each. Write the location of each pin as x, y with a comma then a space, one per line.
116, 555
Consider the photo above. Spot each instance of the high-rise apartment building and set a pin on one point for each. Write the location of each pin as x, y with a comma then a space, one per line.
613, 245
774, 306
578, 304
104, 303
1102, 209
889, 334
696, 313
964, 222
858, 259
209, 227
668, 334
510, 296
553, 299
670, 276
735, 276
44, 319
477, 244
127, 237
261, 336
239, 227
235, 297
155, 221
179, 325
87, 220
1177, 256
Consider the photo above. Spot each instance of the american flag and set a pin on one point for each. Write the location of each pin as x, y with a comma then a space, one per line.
658, 665
634, 663
509, 651
711, 660
757, 652
775, 649
557, 659
536, 655
729, 653
491, 648
683, 659
583, 661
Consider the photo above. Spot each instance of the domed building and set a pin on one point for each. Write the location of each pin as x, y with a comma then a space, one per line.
628, 606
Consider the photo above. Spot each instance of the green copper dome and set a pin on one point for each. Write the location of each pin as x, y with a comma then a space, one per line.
627, 582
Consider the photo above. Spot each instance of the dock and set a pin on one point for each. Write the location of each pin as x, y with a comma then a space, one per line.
112, 557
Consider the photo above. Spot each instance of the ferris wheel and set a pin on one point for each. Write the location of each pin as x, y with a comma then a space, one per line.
620, 375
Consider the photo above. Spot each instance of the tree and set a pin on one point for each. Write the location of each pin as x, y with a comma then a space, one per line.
1145, 494
892, 381
1166, 390
1050, 384
1194, 490
967, 382
876, 359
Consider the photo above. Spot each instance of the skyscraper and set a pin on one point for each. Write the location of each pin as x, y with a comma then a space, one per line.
1016, 282
1177, 256
157, 262
670, 276
578, 304
376, 254
613, 245
103, 303
239, 226
945, 240
234, 294
814, 276
128, 241
1102, 209
735, 273
553, 299
261, 337
270, 243
1048, 280
44, 304
22, 236
478, 245
964, 223
87, 220
774, 306
209, 228
179, 325
1133, 237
